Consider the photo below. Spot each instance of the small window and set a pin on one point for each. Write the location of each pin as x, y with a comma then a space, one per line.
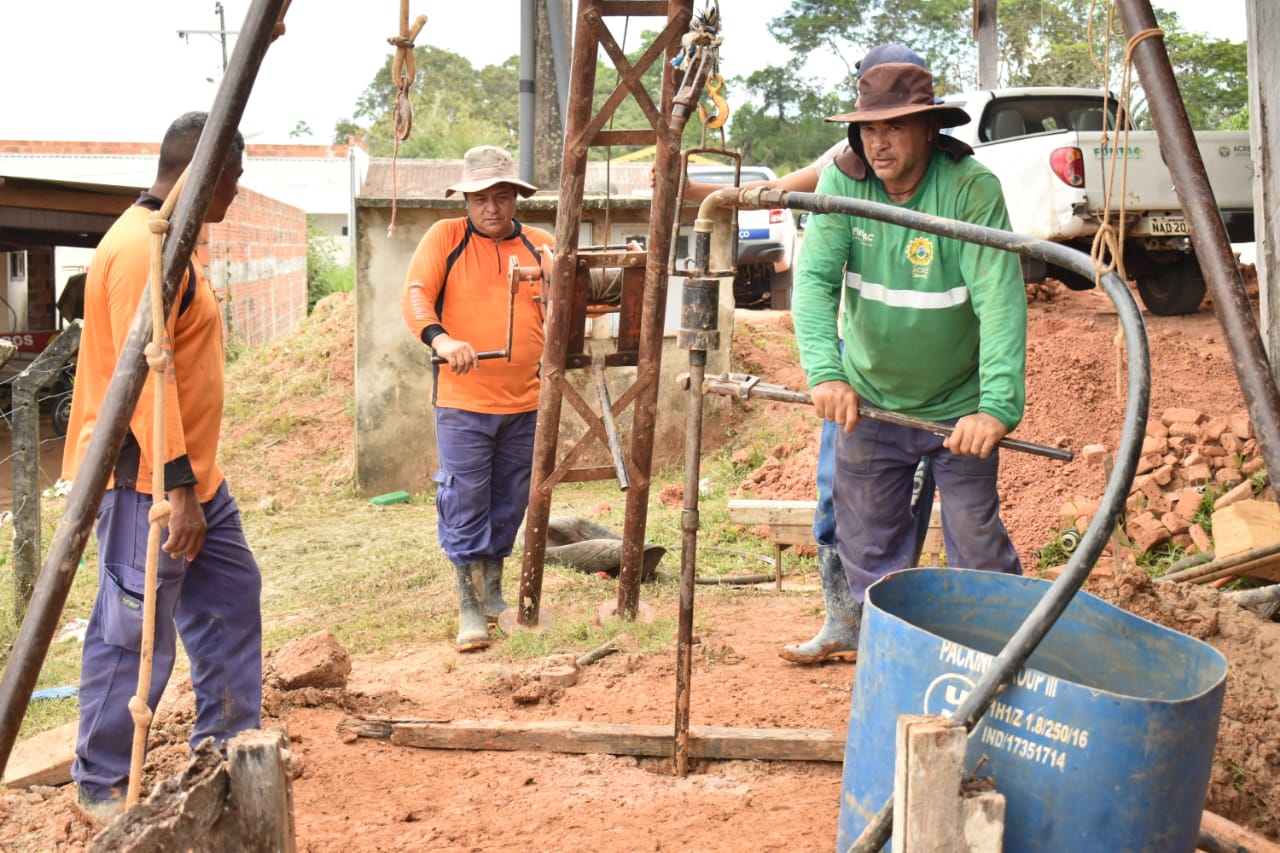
17, 265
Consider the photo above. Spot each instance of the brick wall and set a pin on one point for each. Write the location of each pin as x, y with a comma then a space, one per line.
257, 260
41, 308
152, 149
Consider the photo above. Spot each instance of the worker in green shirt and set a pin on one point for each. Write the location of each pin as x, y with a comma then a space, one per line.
932, 327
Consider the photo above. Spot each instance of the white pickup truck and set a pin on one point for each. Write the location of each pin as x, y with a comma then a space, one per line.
1045, 145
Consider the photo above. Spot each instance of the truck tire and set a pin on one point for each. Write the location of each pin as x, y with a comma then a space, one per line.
752, 287
1173, 289
62, 415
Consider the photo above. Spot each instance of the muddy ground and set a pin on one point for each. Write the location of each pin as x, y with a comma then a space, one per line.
368, 795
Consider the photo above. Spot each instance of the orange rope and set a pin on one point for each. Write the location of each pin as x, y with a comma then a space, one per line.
404, 68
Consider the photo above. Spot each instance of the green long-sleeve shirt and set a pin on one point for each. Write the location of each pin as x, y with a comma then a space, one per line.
933, 327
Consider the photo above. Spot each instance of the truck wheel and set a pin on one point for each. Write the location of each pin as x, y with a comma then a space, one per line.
752, 286
1170, 290
62, 415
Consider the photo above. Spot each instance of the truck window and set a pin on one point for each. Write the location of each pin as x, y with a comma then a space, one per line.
1008, 118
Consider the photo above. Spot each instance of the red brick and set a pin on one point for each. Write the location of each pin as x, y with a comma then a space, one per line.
1093, 453
1175, 523
1187, 503
1227, 477
1200, 538
1163, 475
1159, 504
1241, 492
1146, 532
1241, 425
1196, 473
1187, 428
1179, 414
1154, 446
1149, 488
1147, 464
1155, 429
1215, 427
1253, 466
1230, 443
1179, 443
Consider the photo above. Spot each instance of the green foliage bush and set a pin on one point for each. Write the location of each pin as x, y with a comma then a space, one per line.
325, 274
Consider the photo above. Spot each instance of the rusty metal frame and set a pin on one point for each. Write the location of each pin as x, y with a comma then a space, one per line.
566, 293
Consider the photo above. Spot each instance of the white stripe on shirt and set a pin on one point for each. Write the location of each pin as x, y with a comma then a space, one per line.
906, 298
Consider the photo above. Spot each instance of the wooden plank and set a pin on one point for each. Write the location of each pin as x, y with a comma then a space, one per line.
43, 759
789, 534
772, 512
718, 742
984, 822
928, 767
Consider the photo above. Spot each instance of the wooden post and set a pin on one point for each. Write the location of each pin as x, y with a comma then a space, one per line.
1264, 94
986, 32
931, 813
261, 790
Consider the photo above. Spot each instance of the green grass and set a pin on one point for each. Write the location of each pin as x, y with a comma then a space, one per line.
376, 578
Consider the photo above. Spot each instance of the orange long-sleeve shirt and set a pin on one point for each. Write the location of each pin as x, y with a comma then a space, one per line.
193, 386
475, 309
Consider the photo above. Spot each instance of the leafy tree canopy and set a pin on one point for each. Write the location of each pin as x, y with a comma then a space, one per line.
777, 113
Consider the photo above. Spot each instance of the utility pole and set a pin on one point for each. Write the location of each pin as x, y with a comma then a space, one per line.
985, 32
220, 33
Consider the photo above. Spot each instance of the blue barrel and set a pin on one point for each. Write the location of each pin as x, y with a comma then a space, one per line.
1103, 743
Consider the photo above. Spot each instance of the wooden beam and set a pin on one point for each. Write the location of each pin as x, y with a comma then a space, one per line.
64, 200
717, 742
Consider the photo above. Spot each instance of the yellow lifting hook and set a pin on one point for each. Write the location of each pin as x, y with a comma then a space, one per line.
714, 84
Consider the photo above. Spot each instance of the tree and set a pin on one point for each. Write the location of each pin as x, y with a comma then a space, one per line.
1042, 43
454, 107
782, 122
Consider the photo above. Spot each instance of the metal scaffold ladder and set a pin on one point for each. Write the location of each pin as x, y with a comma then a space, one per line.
640, 305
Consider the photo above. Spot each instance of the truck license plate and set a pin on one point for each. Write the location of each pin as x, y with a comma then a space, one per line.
1169, 225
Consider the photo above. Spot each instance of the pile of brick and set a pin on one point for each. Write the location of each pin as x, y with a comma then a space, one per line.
1184, 454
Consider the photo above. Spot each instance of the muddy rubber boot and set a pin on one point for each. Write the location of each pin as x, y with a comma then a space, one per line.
473, 631
838, 637
494, 603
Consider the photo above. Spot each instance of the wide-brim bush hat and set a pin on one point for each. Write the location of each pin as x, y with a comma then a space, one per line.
890, 90
486, 165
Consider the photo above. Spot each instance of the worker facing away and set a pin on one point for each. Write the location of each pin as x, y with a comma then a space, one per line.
209, 585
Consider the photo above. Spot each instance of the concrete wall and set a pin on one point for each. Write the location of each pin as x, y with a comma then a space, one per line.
395, 427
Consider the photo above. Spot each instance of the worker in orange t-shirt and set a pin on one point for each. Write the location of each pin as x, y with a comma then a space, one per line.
209, 586
457, 301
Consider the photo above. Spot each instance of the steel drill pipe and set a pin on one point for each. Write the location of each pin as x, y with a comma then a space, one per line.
54, 582
1039, 622
1208, 234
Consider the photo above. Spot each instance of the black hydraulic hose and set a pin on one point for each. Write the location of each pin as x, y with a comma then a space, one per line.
1042, 617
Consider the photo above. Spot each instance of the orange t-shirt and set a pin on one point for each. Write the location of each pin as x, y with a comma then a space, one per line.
117, 281
475, 308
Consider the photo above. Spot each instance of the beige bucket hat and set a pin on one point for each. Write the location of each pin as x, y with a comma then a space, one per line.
486, 165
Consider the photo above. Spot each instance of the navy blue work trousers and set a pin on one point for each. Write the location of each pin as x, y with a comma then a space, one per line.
876, 532
482, 487
212, 602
